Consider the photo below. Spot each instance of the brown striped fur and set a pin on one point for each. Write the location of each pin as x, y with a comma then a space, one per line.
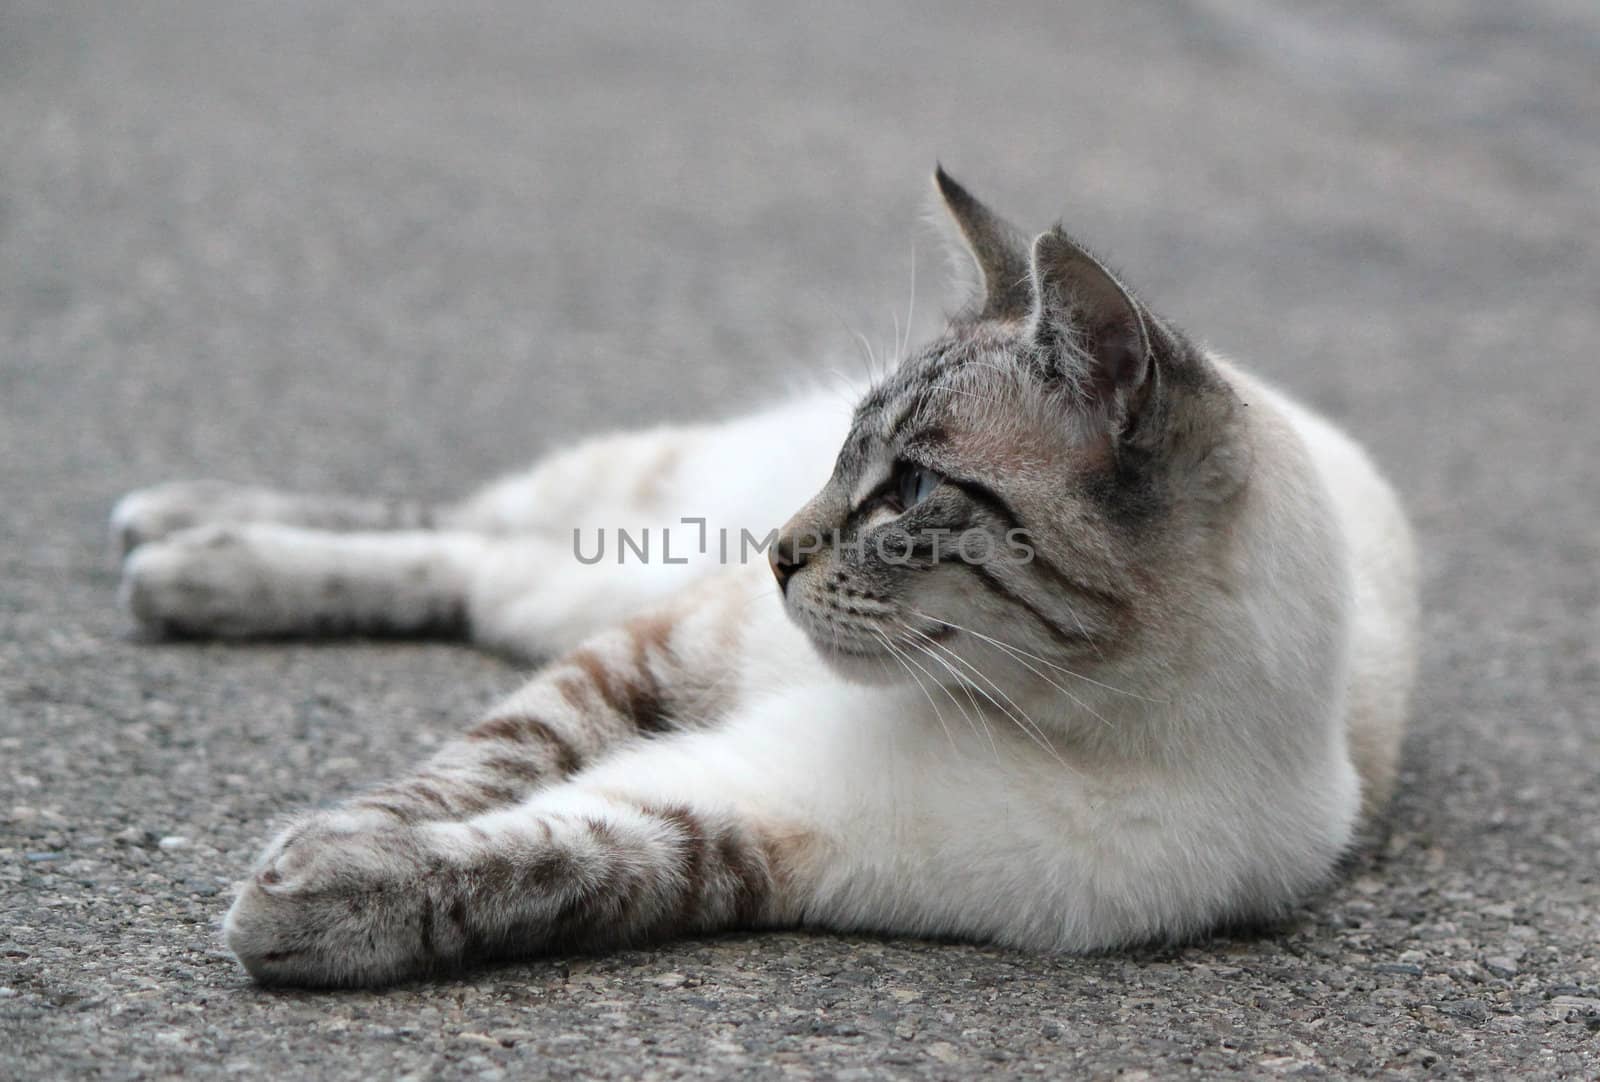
624, 685
423, 898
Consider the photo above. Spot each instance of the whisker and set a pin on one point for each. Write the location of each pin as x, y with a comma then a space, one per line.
1018, 651
969, 394
978, 362
1083, 631
971, 724
900, 657
911, 304
868, 357
1040, 673
1014, 711
845, 388
861, 340
763, 595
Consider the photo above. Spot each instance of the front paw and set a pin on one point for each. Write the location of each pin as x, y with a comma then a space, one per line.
204, 581
337, 901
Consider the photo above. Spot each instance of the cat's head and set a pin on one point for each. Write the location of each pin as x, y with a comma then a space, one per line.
1032, 489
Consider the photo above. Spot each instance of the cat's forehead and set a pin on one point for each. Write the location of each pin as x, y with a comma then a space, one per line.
975, 400
959, 362
963, 377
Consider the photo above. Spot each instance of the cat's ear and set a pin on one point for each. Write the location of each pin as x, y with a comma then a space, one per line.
998, 249
1087, 322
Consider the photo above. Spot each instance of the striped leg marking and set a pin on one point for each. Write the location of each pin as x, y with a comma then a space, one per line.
579, 871
634, 681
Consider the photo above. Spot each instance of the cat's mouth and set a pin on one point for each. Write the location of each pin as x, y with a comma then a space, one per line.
876, 653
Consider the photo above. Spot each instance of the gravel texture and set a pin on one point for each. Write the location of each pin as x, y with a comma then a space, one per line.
398, 247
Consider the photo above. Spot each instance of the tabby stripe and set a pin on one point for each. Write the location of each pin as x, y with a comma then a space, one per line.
997, 506
425, 792
755, 879
410, 806
596, 880
511, 766
518, 729
426, 929
1073, 585
505, 764
747, 880
998, 587
636, 696
989, 499
649, 707
694, 857
428, 794
907, 415
404, 815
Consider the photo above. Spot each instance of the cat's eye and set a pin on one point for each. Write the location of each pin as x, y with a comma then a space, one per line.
916, 484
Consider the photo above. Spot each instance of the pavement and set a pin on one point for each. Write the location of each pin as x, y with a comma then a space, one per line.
398, 247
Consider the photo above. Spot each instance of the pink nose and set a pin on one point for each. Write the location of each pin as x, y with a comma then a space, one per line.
785, 558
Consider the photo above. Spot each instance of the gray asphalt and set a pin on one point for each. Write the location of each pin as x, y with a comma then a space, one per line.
400, 247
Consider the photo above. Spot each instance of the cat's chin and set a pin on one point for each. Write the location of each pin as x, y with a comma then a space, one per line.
860, 667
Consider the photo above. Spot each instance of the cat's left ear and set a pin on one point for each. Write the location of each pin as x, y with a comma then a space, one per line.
998, 249
1086, 322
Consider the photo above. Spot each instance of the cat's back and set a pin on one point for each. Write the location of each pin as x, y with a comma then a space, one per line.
1382, 554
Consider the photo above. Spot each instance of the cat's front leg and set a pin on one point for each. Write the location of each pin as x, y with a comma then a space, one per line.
481, 853
663, 671
573, 869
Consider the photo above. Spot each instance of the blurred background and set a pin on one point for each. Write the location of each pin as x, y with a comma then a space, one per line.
398, 247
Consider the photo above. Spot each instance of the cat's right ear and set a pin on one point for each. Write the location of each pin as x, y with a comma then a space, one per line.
1090, 325
998, 249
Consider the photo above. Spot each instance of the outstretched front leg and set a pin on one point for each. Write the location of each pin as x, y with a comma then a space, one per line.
525, 595
672, 669
573, 869
391, 882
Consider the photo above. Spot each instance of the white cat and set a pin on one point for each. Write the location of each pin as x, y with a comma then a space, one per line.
1088, 639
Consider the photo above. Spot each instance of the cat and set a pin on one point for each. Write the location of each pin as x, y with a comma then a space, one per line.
1166, 695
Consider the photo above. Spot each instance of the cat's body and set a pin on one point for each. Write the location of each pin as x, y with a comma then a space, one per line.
1174, 712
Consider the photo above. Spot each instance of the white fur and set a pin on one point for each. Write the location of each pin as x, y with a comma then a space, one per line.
1228, 795
1247, 803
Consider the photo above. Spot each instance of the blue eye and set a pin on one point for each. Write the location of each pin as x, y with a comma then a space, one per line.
916, 484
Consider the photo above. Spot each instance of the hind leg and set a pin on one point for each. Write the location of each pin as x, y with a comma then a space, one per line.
205, 558
629, 472
212, 559
265, 580
151, 514
527, 595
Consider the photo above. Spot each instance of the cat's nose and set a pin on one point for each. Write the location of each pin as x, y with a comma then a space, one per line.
786, 557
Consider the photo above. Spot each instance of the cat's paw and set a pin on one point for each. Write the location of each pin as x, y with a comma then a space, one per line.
211, 581
344, 899
151, 514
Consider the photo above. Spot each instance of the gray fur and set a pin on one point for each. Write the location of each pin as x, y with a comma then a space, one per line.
1088, 426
